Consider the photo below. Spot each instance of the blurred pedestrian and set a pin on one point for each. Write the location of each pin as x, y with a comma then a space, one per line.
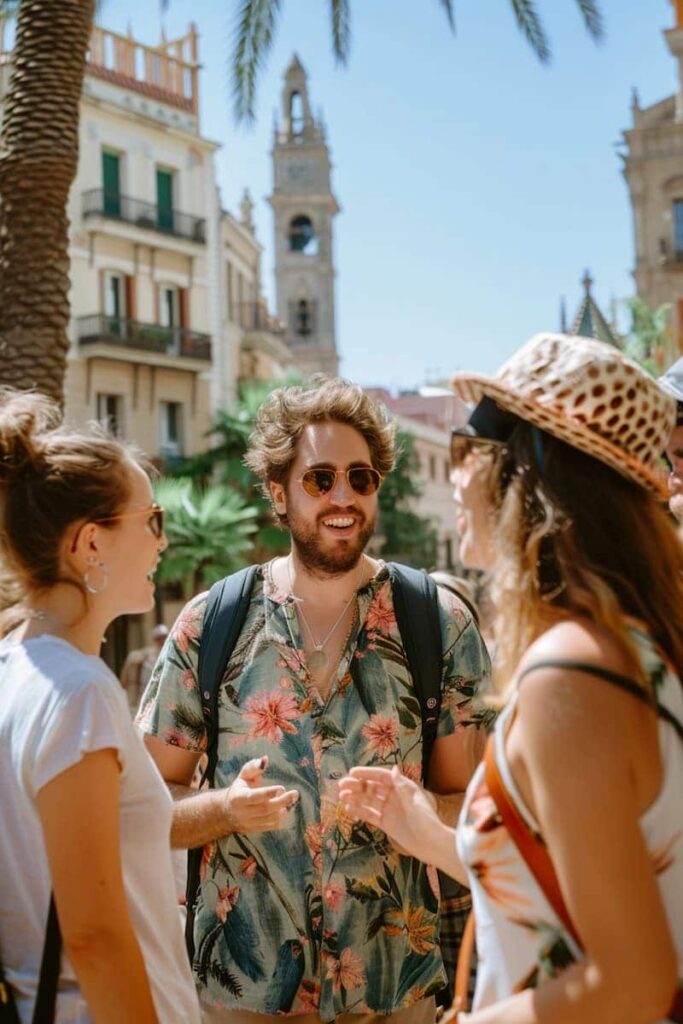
137, 668
571, 834
672, 384
84, 846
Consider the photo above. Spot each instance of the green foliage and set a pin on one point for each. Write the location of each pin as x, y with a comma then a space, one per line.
647, 334
209, 530
224, 463
257, 21
407, 536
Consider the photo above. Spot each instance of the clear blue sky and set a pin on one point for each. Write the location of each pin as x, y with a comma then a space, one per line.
475, 184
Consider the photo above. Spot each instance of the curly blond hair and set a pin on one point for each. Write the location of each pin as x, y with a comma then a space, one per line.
289, 410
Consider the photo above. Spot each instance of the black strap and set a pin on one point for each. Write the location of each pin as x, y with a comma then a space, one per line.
416, 606
46, 997
226, 610
615, 678
46, 1000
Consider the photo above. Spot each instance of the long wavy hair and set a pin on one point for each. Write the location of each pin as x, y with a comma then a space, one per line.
574, 537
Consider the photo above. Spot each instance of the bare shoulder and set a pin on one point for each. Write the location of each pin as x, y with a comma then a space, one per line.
557, 700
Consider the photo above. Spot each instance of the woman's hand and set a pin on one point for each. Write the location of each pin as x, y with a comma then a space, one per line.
387, 800
251, 807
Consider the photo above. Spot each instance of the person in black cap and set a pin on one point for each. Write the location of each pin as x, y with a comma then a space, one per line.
672, 384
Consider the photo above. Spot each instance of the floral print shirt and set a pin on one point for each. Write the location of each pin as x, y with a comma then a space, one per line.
323, 915
521, 942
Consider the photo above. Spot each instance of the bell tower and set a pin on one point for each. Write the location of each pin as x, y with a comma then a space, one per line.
304, 207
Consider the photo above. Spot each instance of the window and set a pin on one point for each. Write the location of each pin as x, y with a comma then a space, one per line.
110, 412
111, 184
169, 306
432, 467
302, 236
164, 199
115, 310
678, 228
447, 471
170, 429
296, 113
302, 319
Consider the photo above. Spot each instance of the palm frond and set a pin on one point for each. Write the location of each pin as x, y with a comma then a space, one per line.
450, 13
592, 18
340, 11
531, 26
254, 34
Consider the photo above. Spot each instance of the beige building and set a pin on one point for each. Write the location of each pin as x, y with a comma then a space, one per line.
429, 414
167, 309
166, 301
653, 167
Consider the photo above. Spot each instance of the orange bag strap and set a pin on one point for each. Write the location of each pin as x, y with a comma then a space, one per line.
533, 850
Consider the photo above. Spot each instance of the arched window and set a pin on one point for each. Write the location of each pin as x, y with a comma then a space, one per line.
296, 113
302, 236
303, 318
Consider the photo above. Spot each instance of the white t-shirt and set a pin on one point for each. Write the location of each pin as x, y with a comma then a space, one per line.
57, 704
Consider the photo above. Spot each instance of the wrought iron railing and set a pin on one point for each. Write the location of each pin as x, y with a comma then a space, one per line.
254, 316
98, 202
132, 334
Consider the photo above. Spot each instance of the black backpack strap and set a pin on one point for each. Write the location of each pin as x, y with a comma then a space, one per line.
226, 609
615, 678
46, 1000
416, 605
46, 996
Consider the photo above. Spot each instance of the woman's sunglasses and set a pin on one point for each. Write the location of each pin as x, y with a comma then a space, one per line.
363, 480
463, 445
155, 513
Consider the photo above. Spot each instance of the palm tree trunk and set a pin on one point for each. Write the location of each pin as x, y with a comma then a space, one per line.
38, 163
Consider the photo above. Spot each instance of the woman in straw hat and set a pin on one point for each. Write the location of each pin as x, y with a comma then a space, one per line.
571, 834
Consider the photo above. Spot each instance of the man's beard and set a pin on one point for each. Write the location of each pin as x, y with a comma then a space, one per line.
312, 552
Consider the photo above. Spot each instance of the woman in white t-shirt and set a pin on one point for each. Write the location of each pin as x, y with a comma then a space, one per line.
85, 814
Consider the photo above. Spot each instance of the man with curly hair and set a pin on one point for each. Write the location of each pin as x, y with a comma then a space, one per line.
301, 910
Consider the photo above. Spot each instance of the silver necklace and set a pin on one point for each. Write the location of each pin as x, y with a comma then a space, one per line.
317, 659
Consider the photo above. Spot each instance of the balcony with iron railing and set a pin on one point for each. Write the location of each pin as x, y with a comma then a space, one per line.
122, 332
671, 254
254, 316
99, 203
263, 332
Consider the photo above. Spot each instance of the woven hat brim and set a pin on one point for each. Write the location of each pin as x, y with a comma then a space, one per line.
473, 387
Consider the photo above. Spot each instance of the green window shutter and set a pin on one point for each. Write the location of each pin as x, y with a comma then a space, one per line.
165, 200
111, 180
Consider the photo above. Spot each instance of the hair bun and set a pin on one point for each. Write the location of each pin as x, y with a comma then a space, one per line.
24, 418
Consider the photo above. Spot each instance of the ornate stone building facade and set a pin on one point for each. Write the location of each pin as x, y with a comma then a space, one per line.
653, 167
167, 308
304, 208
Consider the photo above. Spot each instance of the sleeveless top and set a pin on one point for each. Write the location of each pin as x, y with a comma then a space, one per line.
521, 942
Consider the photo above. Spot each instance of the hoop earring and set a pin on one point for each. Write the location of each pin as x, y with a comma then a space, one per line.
92, 561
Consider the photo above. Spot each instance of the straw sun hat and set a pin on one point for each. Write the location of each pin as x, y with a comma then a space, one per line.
588, 394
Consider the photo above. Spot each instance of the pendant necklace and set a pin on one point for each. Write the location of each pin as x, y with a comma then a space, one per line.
317, 659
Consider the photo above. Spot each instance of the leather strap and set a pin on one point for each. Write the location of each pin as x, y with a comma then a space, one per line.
531, 847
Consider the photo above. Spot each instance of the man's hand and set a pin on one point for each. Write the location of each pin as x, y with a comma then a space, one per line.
249, 806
